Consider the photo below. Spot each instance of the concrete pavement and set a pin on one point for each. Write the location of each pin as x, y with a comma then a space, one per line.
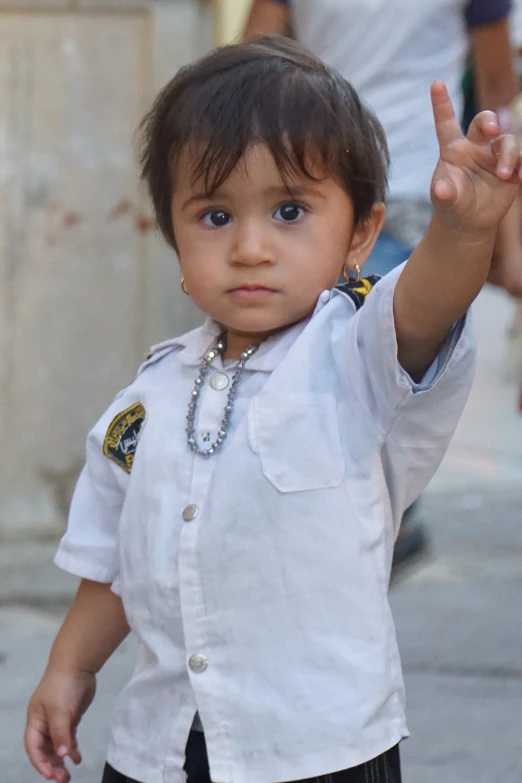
458, 614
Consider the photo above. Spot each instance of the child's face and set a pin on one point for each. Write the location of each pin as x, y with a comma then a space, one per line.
254, 258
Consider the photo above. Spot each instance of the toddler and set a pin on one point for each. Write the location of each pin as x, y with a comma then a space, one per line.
241, 497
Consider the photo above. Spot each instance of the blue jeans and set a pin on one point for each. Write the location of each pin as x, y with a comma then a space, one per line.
387, 254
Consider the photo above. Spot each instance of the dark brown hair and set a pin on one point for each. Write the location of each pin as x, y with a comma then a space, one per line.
271, 91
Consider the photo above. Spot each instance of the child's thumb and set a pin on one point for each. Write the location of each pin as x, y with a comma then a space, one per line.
444, 193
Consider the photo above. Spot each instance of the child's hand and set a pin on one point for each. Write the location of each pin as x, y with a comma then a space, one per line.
53, 715
477, 177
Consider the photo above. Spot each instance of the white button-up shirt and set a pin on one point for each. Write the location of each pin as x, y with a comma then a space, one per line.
264, 605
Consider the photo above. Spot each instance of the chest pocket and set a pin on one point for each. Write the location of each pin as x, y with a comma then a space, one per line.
297, 439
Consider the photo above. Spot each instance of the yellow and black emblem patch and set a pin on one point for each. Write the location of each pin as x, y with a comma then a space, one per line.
123, 434
358, 290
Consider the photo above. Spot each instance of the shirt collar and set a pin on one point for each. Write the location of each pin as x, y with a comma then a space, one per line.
196, 343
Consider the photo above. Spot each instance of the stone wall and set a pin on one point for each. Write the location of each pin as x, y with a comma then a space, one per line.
85, 284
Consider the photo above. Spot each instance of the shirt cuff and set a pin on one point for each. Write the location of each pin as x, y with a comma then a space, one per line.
440, 364
87, 562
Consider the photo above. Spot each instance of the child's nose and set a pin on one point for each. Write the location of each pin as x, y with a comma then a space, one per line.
252, 247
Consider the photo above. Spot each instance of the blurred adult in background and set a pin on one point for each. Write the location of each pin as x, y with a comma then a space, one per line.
513, 122
391, 51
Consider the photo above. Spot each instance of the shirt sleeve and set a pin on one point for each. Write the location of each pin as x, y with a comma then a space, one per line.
89, 548
416, 420
480, 12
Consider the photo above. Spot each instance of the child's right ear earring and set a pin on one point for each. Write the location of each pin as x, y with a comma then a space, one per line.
182, 285
346, 274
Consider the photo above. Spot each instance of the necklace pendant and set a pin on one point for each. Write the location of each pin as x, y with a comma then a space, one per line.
218, 381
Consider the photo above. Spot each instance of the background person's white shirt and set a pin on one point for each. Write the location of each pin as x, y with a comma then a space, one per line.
267, 610
391, 51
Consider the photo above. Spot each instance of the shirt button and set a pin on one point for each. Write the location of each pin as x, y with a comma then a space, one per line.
198, 663
219, 381
190, 512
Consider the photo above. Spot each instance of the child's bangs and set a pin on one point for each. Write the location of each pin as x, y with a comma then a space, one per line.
293, 121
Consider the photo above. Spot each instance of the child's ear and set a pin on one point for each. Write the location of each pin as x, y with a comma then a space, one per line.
365, 236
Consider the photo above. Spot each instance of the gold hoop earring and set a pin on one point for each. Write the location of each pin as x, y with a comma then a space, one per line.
182, 286
346, 274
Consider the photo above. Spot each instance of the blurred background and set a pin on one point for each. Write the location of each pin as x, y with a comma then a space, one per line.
86, 286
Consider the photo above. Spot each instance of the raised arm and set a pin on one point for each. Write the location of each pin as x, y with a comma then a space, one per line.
267, 16
474, 186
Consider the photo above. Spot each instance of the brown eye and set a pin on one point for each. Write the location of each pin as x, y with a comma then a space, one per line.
289, 213
217, 218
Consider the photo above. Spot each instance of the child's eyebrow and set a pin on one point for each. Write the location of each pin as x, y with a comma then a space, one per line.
276, 191
297, 191
198, 197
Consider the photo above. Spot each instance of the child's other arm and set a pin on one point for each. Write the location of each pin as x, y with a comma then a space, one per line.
94, 627
267, 16
474, 185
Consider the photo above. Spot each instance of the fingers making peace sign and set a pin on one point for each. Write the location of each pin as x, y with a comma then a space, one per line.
478, 176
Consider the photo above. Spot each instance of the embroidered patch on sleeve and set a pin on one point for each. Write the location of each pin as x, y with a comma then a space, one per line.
123, 434
358, 290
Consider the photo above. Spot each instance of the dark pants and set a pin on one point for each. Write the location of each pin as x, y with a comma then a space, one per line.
383, 769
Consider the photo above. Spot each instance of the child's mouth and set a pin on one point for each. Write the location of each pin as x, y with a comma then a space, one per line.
251, 292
